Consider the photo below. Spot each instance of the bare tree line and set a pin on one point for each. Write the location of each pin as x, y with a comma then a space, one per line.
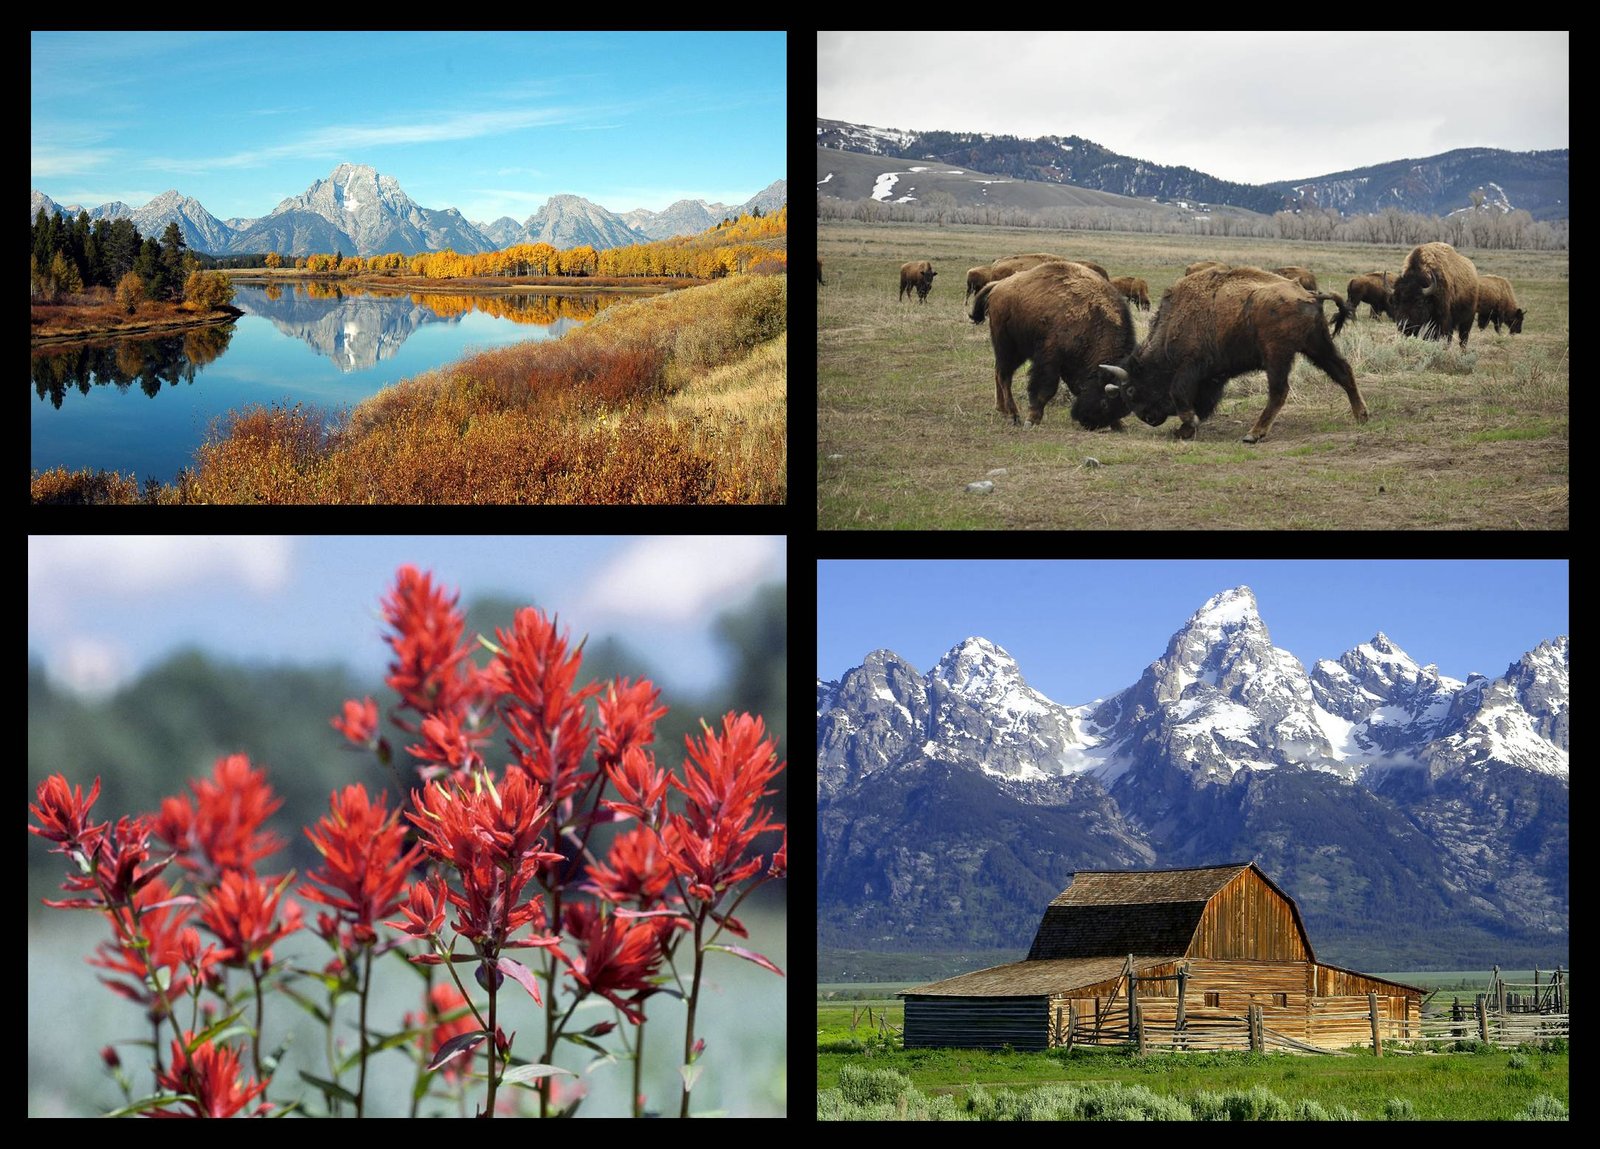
1516, 230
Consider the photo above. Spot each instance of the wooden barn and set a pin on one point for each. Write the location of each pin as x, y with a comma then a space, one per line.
1208, 958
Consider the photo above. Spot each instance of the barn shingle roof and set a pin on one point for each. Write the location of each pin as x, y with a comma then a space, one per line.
1034, 978
1091, 918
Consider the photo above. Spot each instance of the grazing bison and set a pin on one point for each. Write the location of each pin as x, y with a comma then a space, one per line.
1373, 289
1063, 317
1212, 326
819, 272
1011, 264
917, 276
1497, 302
1203, 265
1137, 291
1300, 275
1436, 293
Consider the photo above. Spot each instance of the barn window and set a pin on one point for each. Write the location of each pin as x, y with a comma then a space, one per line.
1281, 1000
1214, 999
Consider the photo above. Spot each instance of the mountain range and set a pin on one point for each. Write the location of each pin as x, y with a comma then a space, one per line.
1536, 182
356, 210
1418, 820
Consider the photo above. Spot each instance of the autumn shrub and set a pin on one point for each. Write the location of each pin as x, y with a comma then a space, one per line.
261, 455
130, 290
63, 487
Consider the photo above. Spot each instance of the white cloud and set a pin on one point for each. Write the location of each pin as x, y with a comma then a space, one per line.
64, 568
679, 578
91, 666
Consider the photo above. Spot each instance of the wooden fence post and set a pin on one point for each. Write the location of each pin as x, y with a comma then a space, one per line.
1483, 1018
1133, 998
1254, 1016
1072, 1020
1377, 1040
1138, 1015
1181, 1039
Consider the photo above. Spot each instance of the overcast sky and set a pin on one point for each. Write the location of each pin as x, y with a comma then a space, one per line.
1252, 107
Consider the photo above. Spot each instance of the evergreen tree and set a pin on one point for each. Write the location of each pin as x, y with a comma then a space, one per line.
148, 267
172, 262
121, 249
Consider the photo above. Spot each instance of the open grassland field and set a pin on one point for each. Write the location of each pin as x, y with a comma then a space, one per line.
1473, 439
953, 1084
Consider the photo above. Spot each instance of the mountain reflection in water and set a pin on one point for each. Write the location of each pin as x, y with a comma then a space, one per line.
363, 326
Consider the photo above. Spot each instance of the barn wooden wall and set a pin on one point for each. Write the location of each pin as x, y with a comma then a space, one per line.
1248, 919
977, 1022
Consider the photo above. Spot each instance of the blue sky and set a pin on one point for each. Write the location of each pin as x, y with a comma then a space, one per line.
490, 123
101, 608
1082, 630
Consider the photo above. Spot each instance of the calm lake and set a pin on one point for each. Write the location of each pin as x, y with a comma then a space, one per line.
143, 406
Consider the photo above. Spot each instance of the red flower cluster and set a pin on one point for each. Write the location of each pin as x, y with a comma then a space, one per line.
545, 716
724, 780
63, 814
491, 837
212, 1076
243, 913
365, 864
614, 957
219, 829
161, 940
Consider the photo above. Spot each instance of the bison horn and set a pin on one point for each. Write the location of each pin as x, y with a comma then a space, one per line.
1116, 372
1433, 284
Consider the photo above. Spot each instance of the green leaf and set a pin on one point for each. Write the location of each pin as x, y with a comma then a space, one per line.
305, 1003
689, 1073
160, 1101
330, 1089
604, 1059
386, 1041
586, 1042
216, 1030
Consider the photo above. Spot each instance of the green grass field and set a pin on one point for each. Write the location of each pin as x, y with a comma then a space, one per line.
1457, 439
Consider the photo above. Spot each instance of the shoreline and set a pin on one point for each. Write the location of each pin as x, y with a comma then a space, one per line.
123, 331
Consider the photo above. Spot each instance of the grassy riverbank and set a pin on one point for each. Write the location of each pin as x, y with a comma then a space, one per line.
679, 398
95, 315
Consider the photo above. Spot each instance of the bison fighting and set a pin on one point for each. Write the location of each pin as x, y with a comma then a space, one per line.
1010, 265
1064, 317
917, 276
1213, 325
1436, 294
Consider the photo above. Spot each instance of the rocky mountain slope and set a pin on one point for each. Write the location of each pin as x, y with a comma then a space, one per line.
1415, 818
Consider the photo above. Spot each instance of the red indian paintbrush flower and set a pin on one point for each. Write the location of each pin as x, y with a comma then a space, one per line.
213, 1077
115, 869
636, 871
614, 957
359, 722
220, 829
426, 640
63, 814
545, 715
627, 718
642, 787
491, 837
161, 939
723, 781
365, 865
243, 913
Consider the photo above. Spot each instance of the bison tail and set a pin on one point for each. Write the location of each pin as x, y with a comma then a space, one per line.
980, 303
1345, 311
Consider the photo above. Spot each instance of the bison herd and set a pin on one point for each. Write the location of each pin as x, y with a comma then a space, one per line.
1071, 320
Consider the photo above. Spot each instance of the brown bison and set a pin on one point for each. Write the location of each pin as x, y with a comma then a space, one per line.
1497, 302
1063, 317
1373, 289
1436, 293
1203, 265
917, 276
1011, 264
1212, 326
819, 272
1137, 291
1300, 275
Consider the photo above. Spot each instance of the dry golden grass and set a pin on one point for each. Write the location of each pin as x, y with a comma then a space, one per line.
676, 399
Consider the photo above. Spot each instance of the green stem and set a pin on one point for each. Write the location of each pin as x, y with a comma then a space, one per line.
255, 1046
694, 998
638, 1072
366, 986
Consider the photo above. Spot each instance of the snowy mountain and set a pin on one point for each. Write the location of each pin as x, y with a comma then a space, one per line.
365, 213
359, 211
1370, 770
